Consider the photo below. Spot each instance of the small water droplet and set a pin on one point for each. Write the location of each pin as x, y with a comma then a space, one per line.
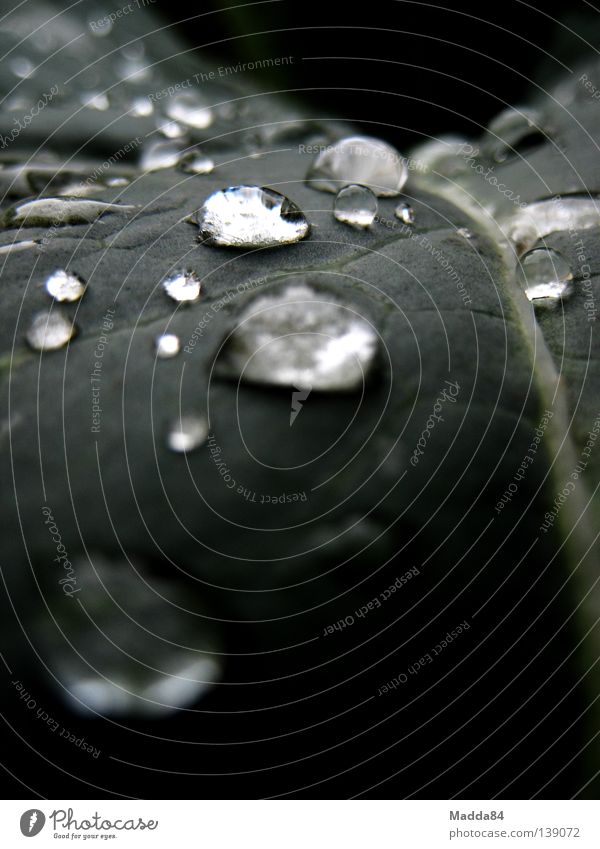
359, 160
405, 213
59, 211
117, 181
182, 286
167, 346
355, 205
187, 433
65, 286
160, 154
22, 67
511, 130
133, 70
250, 217
301, 338
197, 163
189, 108
465, 233
100, 24
95, 100
170, 129
142, 107
49, 330
546, 277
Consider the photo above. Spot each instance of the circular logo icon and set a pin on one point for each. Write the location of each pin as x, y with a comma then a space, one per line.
32, 822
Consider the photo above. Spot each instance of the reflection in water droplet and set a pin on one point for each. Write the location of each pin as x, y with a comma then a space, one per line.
197, 163
359, 160
525, 226
189, 108
167, 346
182, 286
160, 154
300, 338
405, 213
22, 67
65, 286
59, 211
49, 330
250, 217
546, 277
95, 100
187, 433
355, 205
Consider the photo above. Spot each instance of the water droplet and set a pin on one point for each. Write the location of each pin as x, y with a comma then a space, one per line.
142, 107
546, 277
65, 286
359, 160
197, 163
182, 286
22, 67
170, 129
525, 226
49, 330
141, 648
133, 70
465, 233
250, 217
95, 100
405, 213
118, 181
190, 109
187, 433
441, 157
511, 131
100, 24
14, 247
355, 205
58, 211
160, 154
301, 338
167, 346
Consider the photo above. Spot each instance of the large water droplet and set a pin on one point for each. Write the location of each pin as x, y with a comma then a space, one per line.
189, 108
167, 346
49, 330
59, 211
301, 338
537, 220
405, 213
197, 163
359, 160
65, 286
546, 277
250, 217
187, 433
355, 205
182, 286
